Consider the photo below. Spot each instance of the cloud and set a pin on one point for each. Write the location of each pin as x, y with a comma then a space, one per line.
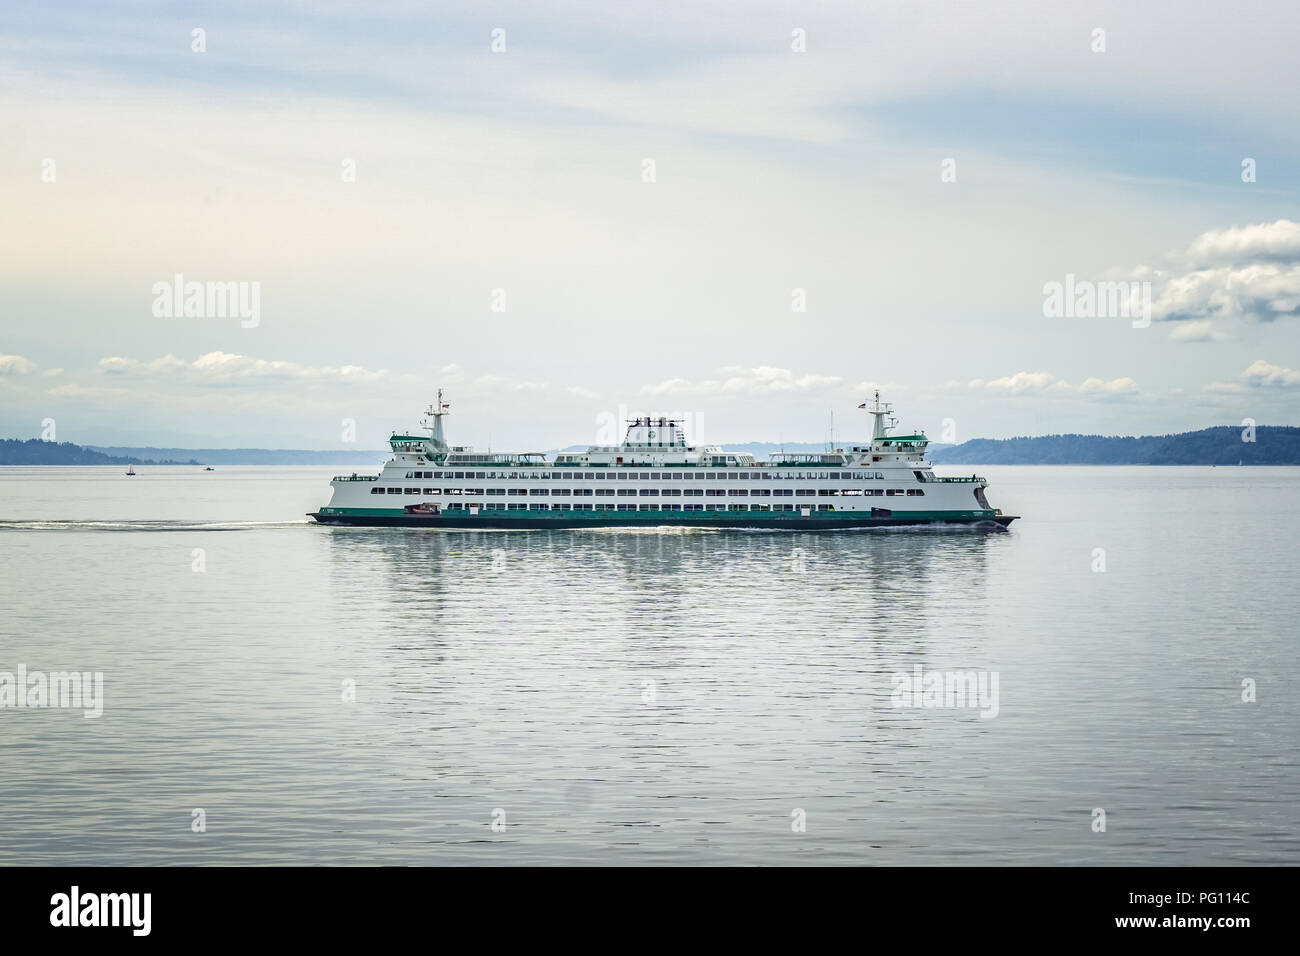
16, 365
734, 380
1199, 331
1116, 386
226, 368
1022, 383
1046, 384
1243, 272
1277, 241
1265, 374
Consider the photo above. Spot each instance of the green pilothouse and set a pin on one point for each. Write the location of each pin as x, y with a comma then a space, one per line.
655, 477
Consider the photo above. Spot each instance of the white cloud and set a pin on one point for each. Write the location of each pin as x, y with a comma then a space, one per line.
734, 380
226, 368
1237, 273
1047, 384
1116, 386
1266, 240
1200, 331
1022, 383
16, 365
1266, 374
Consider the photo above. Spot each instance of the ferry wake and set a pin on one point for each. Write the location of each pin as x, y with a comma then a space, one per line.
656, 478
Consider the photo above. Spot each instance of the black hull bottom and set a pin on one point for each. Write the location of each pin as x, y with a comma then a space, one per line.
996, 523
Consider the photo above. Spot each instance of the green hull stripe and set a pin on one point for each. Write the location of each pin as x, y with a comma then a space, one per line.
661, 517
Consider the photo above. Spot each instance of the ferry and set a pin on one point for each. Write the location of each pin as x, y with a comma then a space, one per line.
656, 478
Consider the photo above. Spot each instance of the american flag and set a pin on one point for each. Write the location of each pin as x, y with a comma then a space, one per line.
863, 405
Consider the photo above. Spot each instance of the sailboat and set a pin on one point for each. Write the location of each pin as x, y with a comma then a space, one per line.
130, 471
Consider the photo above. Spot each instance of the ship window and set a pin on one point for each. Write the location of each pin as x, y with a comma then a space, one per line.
376, 491
787, 492
582, 507
760, 492
693, 507
916, 491
737, 493
783, 507
604, 492
760, 508
394, 491
672, 507
496, 491
429, 491
539, 491
559, 507
715, 492
825, 507
627, 507
649, 508
694, 492
627, 492
649, 492
539, 507
514, 507
738, 507
850, 491
473, 491
893, 491
672, 493
560, 491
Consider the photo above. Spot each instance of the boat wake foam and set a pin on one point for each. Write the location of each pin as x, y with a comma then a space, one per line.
144, 525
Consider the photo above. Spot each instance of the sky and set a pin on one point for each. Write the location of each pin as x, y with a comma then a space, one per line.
748, 215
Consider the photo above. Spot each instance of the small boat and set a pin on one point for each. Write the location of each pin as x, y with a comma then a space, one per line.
130, 471
424, 509
209, 468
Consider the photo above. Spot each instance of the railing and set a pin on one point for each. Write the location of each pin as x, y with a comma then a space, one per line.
972, 478
355, 478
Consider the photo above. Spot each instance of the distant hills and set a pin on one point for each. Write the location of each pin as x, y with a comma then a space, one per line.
1222, 445
14, 451
257, 456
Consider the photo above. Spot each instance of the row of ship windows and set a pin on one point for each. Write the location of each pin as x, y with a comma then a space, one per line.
492, 506
654, 492
652, 475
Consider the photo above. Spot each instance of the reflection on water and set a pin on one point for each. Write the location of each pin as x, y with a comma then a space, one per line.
377, 695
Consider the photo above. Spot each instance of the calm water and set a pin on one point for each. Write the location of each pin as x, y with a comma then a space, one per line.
651, 697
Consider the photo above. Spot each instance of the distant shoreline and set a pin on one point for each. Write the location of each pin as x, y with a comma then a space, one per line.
1226, 445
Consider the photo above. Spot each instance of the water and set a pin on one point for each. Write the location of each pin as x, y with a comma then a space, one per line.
650, 696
